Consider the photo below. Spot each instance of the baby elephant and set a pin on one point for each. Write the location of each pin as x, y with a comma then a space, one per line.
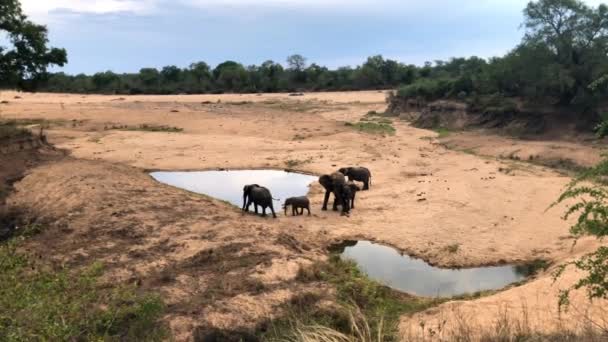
350, 192
297, 203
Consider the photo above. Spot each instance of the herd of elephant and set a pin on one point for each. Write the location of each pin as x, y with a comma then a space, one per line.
344, 193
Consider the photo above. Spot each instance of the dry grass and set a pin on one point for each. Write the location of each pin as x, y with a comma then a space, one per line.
359, 325
506, 326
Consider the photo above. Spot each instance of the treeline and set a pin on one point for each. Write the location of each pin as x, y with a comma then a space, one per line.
562, 60
233, 77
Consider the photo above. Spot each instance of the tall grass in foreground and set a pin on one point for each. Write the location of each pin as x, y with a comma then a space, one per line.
504, 328
359, 309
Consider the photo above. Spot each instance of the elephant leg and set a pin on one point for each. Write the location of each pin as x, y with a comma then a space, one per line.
263, 211
336, 202
307, 208
293, 211
353, 201
255, 205
272, 210
246, 208
325, 200
366, 184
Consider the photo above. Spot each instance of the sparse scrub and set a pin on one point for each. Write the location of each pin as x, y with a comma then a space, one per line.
372, 127
145, 128
41, 302
291, 163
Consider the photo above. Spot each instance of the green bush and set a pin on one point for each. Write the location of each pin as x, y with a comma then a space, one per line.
427, 88
601, 130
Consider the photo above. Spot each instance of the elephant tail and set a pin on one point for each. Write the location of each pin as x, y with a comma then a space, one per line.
276, 199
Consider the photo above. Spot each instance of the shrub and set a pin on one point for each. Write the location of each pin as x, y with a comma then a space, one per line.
590, 196
428, 89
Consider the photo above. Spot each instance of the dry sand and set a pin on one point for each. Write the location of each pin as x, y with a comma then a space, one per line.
495, 210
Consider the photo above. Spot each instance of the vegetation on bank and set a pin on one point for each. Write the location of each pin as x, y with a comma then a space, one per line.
43, 302
587, 198
561, 61
11, 129
364, 309
373, 124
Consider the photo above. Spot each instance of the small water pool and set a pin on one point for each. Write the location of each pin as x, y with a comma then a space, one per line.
228, 185
414, 276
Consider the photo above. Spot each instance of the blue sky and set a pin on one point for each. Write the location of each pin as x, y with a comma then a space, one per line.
126, 35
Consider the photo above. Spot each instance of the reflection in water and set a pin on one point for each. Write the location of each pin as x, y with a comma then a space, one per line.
228, 185
401, 272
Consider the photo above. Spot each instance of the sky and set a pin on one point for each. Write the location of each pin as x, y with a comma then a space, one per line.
126, 35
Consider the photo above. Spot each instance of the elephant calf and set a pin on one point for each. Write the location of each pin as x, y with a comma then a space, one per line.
297, 203
350, 191
359, 174
258, 195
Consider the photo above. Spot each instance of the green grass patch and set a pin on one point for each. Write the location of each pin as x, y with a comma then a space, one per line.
42, 303
373, 127
442, 132
361, 303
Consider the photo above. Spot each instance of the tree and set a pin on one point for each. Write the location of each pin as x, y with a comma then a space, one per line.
576, 35
296, 62
25, 60
230, 76
201, 71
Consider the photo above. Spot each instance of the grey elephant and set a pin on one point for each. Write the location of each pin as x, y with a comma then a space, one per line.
297, 203
359, 174
257, 195
335, 183
350, 192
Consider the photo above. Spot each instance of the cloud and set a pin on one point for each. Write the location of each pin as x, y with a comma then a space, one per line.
45, 9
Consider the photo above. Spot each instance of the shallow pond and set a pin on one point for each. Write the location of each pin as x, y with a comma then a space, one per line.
228, 185
401, 272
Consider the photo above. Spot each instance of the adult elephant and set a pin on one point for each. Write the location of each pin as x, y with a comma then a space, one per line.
336, 184
257, 195
359, 174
